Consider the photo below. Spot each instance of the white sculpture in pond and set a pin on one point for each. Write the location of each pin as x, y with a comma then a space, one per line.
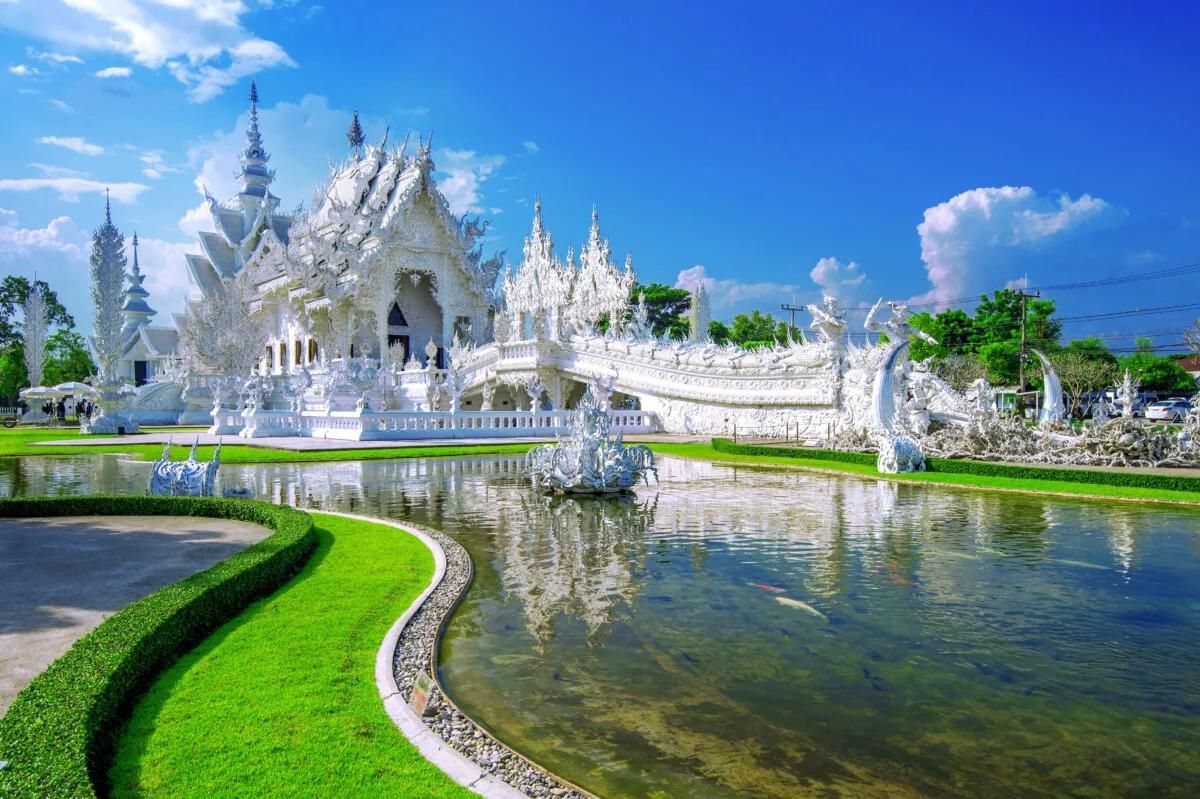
190, 478
1053, 409
589, 461
898, 452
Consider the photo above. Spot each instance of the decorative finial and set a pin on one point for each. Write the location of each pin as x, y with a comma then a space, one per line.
253, 93
254, 174
136, 271
107, 207
355, 134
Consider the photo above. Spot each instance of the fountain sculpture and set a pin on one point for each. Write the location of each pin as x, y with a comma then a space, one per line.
589, 460
190, 478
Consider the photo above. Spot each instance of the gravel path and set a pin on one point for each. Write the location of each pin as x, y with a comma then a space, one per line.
417, 649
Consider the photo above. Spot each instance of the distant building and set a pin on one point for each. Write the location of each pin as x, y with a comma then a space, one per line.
145, 350
1191, 364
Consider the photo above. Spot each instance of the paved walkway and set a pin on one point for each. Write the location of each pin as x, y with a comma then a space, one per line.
60, 577
300, 444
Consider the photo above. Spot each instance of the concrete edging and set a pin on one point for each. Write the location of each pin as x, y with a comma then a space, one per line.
431, 746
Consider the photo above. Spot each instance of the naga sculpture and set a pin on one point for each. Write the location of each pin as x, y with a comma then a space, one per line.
190, 478
589, 461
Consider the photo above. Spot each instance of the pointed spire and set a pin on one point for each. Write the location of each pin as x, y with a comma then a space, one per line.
137, 272
254, 174
537, 217
355, 135
107, 207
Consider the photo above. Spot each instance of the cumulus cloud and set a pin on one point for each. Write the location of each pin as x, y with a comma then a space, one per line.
114, 72
22, 70
70, 188
202, 43
837, 278
731, 296
60, 234
462, 175
969, 241
167, 279
76, 144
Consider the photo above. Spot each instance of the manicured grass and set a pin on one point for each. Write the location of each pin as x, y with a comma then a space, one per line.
18, 442
706, 452
281, 701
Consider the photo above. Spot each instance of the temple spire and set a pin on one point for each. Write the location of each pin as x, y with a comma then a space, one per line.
254, 174
355, 136
136, 312
107, 207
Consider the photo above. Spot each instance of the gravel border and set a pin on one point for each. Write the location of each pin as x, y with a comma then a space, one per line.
446, 736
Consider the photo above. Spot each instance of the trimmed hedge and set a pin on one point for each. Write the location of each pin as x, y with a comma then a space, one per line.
1164, 482
59, 734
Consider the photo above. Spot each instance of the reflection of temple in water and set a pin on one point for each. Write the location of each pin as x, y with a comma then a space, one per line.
574, 556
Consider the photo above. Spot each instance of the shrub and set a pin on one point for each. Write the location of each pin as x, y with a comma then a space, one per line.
59, 734
1127, 479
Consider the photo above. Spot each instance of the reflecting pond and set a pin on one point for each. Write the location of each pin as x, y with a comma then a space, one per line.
742, 632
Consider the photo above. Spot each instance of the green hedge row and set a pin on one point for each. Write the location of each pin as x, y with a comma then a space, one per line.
59, 734
1130, 479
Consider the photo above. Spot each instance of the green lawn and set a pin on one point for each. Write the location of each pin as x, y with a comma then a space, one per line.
18, 442
281, 700
706, 452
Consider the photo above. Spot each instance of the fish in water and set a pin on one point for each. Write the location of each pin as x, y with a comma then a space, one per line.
1080, 564
766, 587
796, 603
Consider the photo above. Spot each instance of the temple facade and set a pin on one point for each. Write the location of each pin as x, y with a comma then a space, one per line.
378, 267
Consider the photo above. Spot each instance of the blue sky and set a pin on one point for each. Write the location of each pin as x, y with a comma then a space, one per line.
929, 152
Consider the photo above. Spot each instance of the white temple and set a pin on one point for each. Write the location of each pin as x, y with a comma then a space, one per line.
384, 321
146, 350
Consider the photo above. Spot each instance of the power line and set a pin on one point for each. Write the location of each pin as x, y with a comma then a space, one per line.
1162, 309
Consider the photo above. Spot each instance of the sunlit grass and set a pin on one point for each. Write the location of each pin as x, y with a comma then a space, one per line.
281, 701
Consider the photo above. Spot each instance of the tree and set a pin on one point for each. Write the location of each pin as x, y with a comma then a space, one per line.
1092, 347
14, 291
33, 335
718, 332
1082, 375
13, 376
355, 134
953, 329
1156, 372
67, 358
220, 334
1001, 359
959, 371
108, 284
665, 307
1192, 336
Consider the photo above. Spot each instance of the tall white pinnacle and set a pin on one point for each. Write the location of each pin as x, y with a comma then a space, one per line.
254, 174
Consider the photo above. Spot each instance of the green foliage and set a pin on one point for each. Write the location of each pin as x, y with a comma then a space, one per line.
59, 734
13, 374
67, 358
1163, 482
665, 306
14, 290
718, 332
758, 329
229, 719
1092, 347
1156, 372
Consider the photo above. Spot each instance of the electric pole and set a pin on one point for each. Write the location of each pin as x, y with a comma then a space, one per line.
1025, 297
790, 308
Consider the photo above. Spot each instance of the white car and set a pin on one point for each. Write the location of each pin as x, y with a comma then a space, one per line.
1168, 410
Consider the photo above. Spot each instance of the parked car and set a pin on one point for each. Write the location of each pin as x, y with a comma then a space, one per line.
1172, 410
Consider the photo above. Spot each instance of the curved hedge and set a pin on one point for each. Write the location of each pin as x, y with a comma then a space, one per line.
1165, 482
59, 733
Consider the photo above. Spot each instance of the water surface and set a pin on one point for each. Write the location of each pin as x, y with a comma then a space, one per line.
740, 632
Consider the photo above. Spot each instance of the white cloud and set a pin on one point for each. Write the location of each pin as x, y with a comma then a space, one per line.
165, 268
196, 219
530, 146
54, 58
733, 296
837, 278
463, 173
76, 144
155, 165
114, 72
51, 171
22, 70
969, 241
60, 234
61, 106
70, 188
202, 43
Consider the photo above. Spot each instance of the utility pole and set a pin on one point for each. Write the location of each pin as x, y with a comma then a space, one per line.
790, 308
1025, 296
